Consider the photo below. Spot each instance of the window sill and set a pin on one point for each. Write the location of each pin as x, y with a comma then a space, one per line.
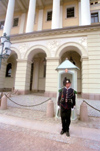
95, 23
70, 18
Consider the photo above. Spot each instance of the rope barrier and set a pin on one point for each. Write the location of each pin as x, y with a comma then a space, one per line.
91, 106
27, 105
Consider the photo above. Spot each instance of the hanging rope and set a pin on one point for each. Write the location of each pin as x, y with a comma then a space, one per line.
27, 105
91, 105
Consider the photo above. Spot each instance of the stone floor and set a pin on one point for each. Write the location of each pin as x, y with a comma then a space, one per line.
28, 129
33, 131
34, 99
13, 138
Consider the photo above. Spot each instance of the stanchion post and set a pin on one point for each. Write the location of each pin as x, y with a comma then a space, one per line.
83, 112
9, 94
50, 109
4, 103
1, 97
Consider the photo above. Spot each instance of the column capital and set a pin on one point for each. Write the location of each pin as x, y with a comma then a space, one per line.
52, 58
84, 58
24, 60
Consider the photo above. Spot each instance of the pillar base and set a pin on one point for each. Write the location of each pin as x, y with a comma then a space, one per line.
91, 96
50, 94
22, 92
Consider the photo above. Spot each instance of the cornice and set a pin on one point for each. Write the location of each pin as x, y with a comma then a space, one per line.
53, 32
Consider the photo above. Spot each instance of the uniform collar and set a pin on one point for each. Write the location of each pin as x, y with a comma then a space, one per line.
67, 88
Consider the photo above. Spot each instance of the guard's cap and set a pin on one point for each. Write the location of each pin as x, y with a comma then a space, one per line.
68, 81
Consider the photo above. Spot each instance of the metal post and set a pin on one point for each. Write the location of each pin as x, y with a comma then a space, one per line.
6, 51
1, 56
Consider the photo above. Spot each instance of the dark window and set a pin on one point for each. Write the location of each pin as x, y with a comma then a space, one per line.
91, 3
8, 70
94, 18
15, 23
44, 71
70, 12
44, 62
1, 24
49, 16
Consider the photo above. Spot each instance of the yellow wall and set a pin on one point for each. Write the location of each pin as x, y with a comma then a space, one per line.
95, 7
2, 18
74, 21
15, 30
67, 22
46, 24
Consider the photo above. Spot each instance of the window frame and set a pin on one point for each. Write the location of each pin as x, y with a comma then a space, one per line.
7, 74
13, 21
4, 23
71, 6
93, 12
47, 15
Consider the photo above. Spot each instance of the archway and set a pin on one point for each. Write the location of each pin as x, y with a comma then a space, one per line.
37, 57
75, 58
10, 71
74, 52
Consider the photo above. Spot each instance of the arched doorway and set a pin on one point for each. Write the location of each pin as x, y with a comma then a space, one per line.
37, 57
75, 52
75, 58
38, 73
10, 72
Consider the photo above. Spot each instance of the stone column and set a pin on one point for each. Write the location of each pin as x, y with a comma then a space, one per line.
22, 23
85, 78
40, 19
61, 16
51, 77
22, 81
9, 17
79, 13
31, 16
35, 75
85, 12
99, 15
56, 14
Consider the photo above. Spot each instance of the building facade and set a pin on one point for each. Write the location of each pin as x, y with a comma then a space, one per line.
43, 34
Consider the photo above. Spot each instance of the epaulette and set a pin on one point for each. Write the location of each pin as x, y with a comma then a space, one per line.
60, 90
75, 92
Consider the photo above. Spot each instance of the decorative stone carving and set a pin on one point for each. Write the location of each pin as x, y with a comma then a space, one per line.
83, 41
53, 45
23, 48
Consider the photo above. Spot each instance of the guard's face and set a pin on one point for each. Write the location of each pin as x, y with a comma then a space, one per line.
68, 85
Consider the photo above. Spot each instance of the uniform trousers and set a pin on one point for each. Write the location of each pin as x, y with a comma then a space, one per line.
65, 119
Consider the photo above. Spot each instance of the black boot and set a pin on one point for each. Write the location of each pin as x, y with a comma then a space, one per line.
67, 133
62, 132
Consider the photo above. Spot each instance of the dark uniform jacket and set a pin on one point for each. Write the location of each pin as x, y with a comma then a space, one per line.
66, 98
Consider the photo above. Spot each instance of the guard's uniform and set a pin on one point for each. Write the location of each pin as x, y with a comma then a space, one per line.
66, 96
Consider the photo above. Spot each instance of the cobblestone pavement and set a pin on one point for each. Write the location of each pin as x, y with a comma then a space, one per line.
28, 129
13, 138
93, 122
33, 99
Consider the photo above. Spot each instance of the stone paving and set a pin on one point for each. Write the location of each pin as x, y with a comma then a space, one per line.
33, 99
20, 139
36, 132
28, 129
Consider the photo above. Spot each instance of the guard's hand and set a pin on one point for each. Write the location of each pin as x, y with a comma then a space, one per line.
73, 107
58, 107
